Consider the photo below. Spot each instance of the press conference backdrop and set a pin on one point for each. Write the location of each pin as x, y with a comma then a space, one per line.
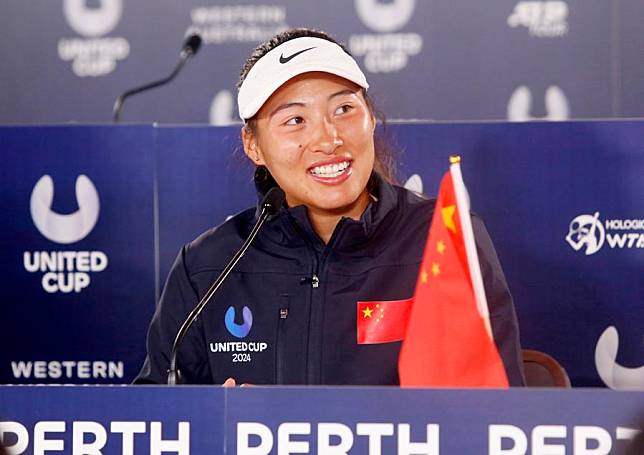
426, 59
93, 217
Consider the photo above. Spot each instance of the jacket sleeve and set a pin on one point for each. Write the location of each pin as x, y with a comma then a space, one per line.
503, 319
179, 297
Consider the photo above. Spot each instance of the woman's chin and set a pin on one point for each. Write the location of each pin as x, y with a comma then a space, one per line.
341, 205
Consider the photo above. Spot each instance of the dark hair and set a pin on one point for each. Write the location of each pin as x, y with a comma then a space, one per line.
385, 163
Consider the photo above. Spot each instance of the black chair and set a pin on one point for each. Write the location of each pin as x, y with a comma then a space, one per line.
542, 370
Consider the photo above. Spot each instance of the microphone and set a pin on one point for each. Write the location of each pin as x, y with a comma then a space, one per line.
270, 205
190, 47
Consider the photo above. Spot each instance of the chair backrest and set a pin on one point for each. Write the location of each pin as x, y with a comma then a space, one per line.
542, 370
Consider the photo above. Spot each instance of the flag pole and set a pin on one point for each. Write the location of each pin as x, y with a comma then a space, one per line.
463, 204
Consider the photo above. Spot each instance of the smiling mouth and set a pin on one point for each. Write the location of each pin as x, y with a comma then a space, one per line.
330, 170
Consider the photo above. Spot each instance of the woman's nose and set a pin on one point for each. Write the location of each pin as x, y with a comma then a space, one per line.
328, 137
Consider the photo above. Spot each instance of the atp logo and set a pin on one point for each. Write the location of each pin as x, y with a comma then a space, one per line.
59, 228
93, 54
520, 105
385, 51
385, 17
612, 373
64, 271
95, 21
586, 231
221, 109
238, 330
543, 19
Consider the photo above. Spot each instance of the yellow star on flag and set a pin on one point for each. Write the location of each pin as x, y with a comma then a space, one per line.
435, 269
448, 217
423, 276
440, 247
367, 313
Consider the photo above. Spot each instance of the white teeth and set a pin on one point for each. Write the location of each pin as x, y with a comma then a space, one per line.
330, 171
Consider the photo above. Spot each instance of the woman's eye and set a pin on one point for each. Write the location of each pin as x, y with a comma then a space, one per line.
294, 121
343, 109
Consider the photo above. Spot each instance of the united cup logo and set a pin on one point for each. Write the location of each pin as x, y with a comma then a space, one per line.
386, 50
385, 17
64, 271
613, 374
93, 22
69, 228
93, 55
222, 108
587, 232
520, 105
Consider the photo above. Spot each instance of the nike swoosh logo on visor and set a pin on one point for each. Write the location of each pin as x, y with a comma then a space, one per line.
290, 57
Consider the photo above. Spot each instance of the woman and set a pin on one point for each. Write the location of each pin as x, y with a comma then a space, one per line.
287, 314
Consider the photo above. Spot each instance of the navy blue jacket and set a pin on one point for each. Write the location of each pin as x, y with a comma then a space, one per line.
287, 313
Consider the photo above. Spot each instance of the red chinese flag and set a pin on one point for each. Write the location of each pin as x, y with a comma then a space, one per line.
383, 321
448, 342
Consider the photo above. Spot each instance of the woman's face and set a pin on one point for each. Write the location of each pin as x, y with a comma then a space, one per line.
315, 136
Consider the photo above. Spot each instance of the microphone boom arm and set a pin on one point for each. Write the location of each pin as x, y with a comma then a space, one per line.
190, 48
120, 100
173, 373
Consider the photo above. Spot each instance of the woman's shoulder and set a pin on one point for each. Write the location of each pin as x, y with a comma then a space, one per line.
412, 203
214, 247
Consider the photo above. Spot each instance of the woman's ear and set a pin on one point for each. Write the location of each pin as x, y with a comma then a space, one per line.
251, 147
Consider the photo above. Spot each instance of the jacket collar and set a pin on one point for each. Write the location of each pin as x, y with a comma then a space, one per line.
295, 221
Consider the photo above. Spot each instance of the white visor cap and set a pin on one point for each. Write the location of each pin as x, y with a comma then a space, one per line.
290, 59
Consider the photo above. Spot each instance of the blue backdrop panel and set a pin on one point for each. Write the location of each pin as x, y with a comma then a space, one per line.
103, 319
562, 202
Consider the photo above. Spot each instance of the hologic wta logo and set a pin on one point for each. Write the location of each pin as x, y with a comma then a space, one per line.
238, 330
586, 231
613, 374
93, 55
64, 271
386, 50
590, 234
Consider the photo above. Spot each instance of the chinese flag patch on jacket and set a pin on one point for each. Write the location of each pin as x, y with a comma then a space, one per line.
382, 321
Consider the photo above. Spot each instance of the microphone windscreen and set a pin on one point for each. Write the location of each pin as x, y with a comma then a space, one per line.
273, 200
192, 43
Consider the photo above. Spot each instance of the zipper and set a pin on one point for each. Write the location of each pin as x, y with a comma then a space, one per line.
280, 353
313, 280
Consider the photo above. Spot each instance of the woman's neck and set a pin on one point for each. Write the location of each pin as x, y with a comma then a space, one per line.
325, 221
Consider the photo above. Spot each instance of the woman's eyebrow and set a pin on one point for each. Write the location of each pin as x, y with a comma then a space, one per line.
343, 92
284, 106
